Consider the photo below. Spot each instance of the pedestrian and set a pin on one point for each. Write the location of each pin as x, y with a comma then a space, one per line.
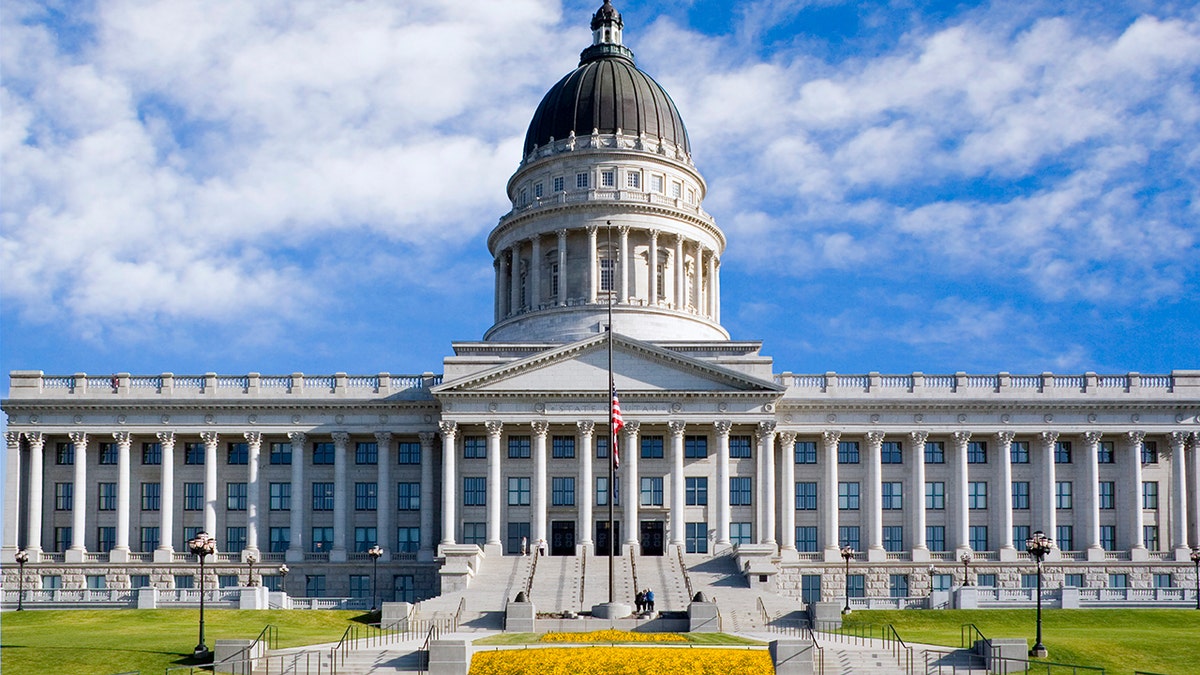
524, 545
639, 600
649, 601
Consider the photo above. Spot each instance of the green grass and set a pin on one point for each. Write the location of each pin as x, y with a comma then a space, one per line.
501, 639
102, 642
1118, 640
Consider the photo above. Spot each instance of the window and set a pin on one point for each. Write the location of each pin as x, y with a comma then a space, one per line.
366, 452
935, 496
608, 178
856, 585
227, 581
62, 539
581, 180
695, 447
806, 496
408, 539
652, 447
695, 491
848, 535
193, 453
189, 533
602, 448
977, 452
235, 496
558, 184
524, 198
935, 537
96, 582
360, 585
281, 453
696, 537
676, 189
235, 538
935, 452
633, 180
1104, 454
323, 453
1108, 494
741, 533
474, 491
977, 495
806, 452
893, 538
474, 533
408, 452
898, 585
1108, 537
739, 447
64, 454
602, 492
518, 534
139, 581
518, 447
366, 496
1020, 495
107, 496
64, 496
1065, 537
1149, 536
1149, 452
518, 492
890, 453
280, 538
979, 538
1163, 581
1021, 534
656, 183
1062, 452
314, 585
364, 539
652, 491
893, 496
1019, 452
322, 539
405, 586
941, 582
1150, 495
474, 447
151, 453
322, 496
848, 496
106, 538
562, 491
238, 453
562, 447
1062, 494
149, 539
193, 496
806, 538
848, 452
1118, 581
408, 496
1073, 580
281, 496
108, 453
985, 580
539, 190
739, 491
606, 274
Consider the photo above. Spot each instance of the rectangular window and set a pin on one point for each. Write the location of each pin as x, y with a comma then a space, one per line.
366, 496
893, 538
364, 539
1073, 580
408, 496
856, 585
281, 496
806, 496
562, 491
985, 580
652, 447
695, 447
633, 180
893, 496
366, 452
322, 539
280, 539
696, 537
935, 452
806, 538
322, 496
62, 539
741, 533
474, 491
1108, 494
360, 585
1019, 452
149, 539
408, 452
656, 183
935, 537
474, 447
652, 491
1149, 537
227, 581
977, 495
602, 492
848, 535
558, 184
1118, 581
1150, 452
518, 447
539, 190
314, 585
1108, 537
408, 539
676, 189
235, 496
562, 447
602, 448
518, 491
847, 496
898, 585
695, 491
1065, 538
1021, 534
193, 453
935, 496
106, 538
193, 496
1020, 495
608, 178
405, 586
1104, 454
323, 453
96, 582
739, 491
739, 447
979, 538
238, 453
890, 453
108, 453
806, 452
848, 452
1150, 495
151, 453
474, 533
1029, 581
64, 454
235, 538
1062, 452
977, 452
64, 496
581, 180
281, 453
1062, 494
1163, 580
137, 581
189, 533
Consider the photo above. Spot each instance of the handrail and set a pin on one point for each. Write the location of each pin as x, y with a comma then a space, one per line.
1003, 664
633, 571
462, 606
582, 580
900, 650
433, 634
687, 579
762, 613
532, 572
969, 634
342, 647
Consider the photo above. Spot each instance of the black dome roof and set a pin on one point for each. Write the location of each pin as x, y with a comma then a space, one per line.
605, 93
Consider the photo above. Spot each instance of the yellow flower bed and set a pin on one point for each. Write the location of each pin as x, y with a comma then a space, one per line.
610, 635
622, 661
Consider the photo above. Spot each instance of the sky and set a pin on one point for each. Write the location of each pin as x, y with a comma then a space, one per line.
289, 185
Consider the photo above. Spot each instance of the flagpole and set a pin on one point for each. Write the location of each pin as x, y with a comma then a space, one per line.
612, 435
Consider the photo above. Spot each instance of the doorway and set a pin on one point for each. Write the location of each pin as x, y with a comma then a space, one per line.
603, 541
652, 537
562, 537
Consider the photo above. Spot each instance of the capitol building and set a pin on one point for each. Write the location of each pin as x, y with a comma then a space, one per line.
504, 447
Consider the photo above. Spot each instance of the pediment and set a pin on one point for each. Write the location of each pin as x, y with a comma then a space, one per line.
582, 367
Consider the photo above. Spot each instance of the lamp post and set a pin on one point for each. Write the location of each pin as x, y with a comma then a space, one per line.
283, 572
374, 552
966, 561
1196, 561
250, 560
847, 555
22, 557
203, 545
1038, 546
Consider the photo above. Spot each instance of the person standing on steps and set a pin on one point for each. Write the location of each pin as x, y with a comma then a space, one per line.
649, 601
639, 601
524, 545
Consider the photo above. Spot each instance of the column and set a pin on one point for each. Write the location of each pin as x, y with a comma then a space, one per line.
210, 439
12, 493
1194, 502
631, 494
166, 513
722, 428
494, 494
677, 489
1004, 441
962, 513
504, 292
587, 453
874, 494
1091, 495
716, 282
916, 488
680, 284
766, 475
37, 456
697, 278
514, 280
623, 262
593, 284
80, 505
652, 270
828, 491
1135, 521
541, 492
1047, 516
425, 552
562, 267
385, 504
342, 491
498, 292
710, 304
787, 493
253, 491
295, 552
535, 272
1179, 511
449, 480
120, 552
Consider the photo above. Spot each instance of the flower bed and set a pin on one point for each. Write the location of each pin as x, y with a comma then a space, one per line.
611, 636
622, 661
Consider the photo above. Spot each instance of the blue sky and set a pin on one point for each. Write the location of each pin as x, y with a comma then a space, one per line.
279, 185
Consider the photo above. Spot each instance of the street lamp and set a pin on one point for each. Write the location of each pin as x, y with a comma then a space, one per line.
1196, 561
966, 561
202, 545
22, 557
1038, 546
375, 552
250, 560
847, 555
283, 572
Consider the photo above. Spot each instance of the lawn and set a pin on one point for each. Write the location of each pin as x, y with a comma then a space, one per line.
1118, 640
99, 642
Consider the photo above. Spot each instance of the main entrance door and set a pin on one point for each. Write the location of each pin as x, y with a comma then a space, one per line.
603, 541
652, 537
562, 537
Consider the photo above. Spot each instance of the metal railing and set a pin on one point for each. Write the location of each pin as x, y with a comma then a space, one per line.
900, 650
969, 634
687, 579
945, 661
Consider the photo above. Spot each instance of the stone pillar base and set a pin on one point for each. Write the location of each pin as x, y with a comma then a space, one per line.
1183, 554
876, 554
294, 555
119, 555
1008, 554
1139, 554
1095, 554
74, 555
918, 554
164, 555
338, 555
610, 610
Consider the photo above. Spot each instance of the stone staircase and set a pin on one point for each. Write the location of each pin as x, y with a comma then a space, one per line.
557, 584
663, 575
497, 580
595, 581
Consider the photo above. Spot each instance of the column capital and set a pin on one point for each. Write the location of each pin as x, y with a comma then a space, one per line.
1092, 438
654, 237
677, 427
13, 439
448, 428
540, 428
167, 438
494, 427
1005, 437
875, 439
766, 429
592, 229
631, 428
919, 437
786, 438
122, 438
1048, 438
383, 436
561, 232
210, 437
253, 438
1178, 440
35, 439
722, 427
340, 438
1135, 437
961, 438
78, 437
297, 438
586, 427
831, 437
426, 437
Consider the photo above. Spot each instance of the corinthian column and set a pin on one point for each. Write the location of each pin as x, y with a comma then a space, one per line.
341, 490
1091, 493
37, 443
787, 494
1133, 505
12, 493
680, 285
494, 429
80, 506
1179, 511
120, 552
211, 440
166, 513
541, 493
677, 502
623, 262
962, 517
722, 428
295, 552
449, 479
593, 263
874, 499
652, 269
562, 267
629, 500
385, 505
535, 272
828, 491
766, 459
586, 481
1004, 441
425, 551
1045, 499
253, 493
916, 488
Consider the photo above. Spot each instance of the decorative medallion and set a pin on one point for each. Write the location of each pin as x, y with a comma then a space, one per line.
918, 418
252, 419
383, 419
447, 406
1006, 418
1179, 417
1091, 417
78, 419
787, 418
339, 418
208, 419
831, 418
295, 419
428, 419
769, 407
1135, 418
491, 407
962, 418
33, 419
722, 406
676, 407
1048, 418
875, 418
539, 408
120, 419
165, 419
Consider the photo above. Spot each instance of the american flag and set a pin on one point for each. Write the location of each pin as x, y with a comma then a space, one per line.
617, 424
